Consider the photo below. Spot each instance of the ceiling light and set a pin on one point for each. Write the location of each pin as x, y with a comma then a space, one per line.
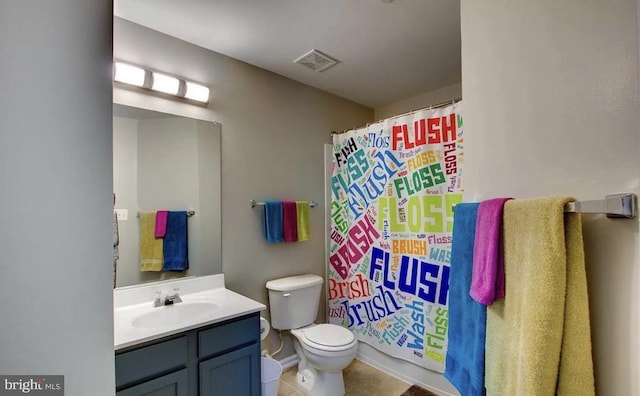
129, 74
196, 92
164, 83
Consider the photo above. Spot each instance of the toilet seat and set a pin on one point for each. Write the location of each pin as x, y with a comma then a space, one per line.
327, 337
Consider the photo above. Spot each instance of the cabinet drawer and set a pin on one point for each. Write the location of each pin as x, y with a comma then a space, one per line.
228, 336
150, 361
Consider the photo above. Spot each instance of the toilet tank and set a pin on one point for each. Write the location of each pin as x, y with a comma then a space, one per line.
293, 301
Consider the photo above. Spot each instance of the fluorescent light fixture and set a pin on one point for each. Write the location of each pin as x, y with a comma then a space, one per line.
129, 74
166, 84
197, 92
160, 82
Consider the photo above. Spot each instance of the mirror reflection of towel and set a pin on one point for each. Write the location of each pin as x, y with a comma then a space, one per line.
175, 242
161, 223
150, 246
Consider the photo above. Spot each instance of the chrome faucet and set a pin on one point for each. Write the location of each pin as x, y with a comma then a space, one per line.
170, 299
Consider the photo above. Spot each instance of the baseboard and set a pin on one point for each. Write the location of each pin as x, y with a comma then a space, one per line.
288, 361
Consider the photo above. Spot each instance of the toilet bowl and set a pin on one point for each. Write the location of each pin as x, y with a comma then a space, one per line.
323, 350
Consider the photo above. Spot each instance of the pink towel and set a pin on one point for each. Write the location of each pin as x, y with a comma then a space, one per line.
289, 221
161, 223
487, 279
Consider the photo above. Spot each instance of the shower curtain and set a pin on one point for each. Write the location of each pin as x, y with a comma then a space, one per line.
394, 184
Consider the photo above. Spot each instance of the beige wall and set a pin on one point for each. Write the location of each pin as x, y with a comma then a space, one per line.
445, 94
551, 107
273, 131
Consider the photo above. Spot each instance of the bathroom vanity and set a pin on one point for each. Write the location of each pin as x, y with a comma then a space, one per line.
207, 344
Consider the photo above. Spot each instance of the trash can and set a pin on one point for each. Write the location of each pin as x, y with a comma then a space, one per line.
270, 369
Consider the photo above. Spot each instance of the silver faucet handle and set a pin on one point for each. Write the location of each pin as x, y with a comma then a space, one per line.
157, 300
175, 297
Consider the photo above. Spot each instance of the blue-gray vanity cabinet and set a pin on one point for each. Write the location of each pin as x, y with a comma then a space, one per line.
230, 374
174, 384
221, 359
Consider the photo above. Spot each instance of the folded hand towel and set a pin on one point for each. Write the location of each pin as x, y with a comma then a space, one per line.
176, 256
289, 221
150, 246
538, 336
467, 318
487, 282
273, 221
161, 223
302, 208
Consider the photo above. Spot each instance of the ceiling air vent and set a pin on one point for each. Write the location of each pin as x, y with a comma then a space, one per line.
316, 61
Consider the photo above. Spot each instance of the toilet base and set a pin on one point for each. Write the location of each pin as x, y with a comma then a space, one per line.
320, 383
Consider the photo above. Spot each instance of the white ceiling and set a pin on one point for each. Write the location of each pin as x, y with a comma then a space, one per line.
387, 51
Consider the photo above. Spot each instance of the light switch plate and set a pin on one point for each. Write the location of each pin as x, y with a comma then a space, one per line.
122, 214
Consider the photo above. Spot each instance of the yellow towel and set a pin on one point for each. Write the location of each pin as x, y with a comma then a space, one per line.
302, 209
538, 337
150, 246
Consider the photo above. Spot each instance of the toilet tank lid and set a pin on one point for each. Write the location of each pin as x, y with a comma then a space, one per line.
294, 282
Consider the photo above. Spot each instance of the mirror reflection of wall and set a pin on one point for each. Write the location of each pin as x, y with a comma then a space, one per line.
166, 162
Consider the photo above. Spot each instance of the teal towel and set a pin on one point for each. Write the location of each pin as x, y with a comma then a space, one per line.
175, 244
273, 221
467, 318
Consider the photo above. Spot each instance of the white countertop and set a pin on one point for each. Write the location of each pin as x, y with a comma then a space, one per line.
135, 301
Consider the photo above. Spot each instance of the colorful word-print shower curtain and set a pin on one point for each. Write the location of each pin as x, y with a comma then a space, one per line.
394, 184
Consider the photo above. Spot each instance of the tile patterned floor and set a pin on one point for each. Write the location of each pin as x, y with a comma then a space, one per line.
360, 379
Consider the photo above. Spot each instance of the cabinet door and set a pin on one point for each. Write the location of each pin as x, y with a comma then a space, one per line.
174, 384
235, 373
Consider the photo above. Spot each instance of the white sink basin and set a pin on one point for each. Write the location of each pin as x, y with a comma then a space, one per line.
173, 314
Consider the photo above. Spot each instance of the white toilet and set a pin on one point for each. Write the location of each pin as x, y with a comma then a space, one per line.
323, 349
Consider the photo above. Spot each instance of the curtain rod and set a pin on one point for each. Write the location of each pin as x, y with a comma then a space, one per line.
434, 106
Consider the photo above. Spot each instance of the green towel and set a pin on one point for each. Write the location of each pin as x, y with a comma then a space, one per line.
150, 246
538, 336
302, 209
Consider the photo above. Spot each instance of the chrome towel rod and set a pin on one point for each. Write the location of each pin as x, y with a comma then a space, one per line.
254, 203
190, 213
622, 206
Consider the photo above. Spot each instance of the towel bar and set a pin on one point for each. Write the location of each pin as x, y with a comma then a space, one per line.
253, 203
614, 206
190, 212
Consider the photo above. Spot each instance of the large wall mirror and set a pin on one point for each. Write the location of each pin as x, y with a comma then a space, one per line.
166, 162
